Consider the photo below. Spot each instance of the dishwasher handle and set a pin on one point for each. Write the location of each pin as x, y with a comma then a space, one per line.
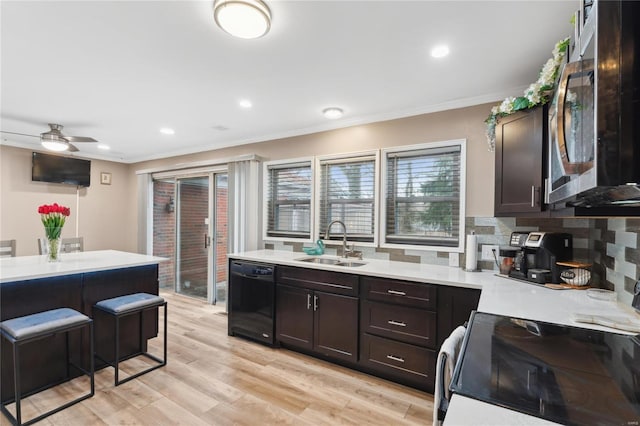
252, 271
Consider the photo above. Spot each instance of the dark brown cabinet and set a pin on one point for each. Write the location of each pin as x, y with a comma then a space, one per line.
335, 325
454, 308
521, 163
399, 330
294, 316
386, 327
318, 311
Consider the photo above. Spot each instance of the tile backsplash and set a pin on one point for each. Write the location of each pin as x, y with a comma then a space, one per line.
611, 245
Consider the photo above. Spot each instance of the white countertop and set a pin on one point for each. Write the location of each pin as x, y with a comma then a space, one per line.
32, 267
500, 296
420, 272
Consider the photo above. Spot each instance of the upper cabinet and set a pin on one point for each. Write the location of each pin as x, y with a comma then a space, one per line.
521, 163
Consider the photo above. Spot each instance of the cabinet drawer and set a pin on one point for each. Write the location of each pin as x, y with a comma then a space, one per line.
328, 281
410, 325
408, 363
401, 292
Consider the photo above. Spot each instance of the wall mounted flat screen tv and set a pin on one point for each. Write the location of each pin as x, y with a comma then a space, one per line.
56, 169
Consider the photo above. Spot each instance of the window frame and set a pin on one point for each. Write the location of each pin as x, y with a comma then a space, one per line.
382, 228
376, 196
282, 164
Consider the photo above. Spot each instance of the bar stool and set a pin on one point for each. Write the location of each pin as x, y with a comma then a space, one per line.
23, 330
123, 306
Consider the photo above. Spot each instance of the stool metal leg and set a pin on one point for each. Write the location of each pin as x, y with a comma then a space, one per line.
117, 349
17, 420
161, 362
16, 378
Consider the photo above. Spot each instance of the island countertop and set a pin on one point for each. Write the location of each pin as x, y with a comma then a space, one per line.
32, 267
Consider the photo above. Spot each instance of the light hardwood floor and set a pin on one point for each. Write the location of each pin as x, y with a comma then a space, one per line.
215, 379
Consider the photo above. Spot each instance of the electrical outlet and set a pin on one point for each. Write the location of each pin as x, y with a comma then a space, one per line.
454, 259
487, 252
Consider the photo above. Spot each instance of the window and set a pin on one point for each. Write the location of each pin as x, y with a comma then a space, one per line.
288, 198
424, 195
347, 192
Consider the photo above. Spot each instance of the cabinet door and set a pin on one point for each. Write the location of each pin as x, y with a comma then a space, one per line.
454, 308
520, 162
336, 325
294, 316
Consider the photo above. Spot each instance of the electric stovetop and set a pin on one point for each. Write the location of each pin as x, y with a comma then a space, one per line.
560, 373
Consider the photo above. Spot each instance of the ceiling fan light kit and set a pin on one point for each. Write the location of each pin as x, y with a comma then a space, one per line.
54, 140
54, 144
242, 18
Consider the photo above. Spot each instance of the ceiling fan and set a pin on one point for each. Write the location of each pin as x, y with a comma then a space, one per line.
54, 140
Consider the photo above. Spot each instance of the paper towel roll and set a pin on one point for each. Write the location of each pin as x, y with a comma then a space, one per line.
471, 261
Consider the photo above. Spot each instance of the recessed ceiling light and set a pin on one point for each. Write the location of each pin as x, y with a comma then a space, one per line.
440, 51
167, 131
333, 112
245, 103
242, 18
104, 147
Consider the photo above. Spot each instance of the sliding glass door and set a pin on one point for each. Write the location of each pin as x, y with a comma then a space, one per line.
193, 236
220, 234
190, 228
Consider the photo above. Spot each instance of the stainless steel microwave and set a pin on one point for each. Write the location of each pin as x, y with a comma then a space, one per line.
594, 117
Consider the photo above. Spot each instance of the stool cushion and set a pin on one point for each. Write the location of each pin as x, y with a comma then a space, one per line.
130, 302
43, 323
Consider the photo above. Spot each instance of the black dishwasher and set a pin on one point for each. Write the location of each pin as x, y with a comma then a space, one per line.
251, 301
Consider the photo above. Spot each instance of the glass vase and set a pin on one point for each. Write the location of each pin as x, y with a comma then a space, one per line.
54, 246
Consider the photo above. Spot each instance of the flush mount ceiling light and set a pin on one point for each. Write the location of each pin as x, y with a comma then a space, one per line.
245, 103
440, 51
332, 113
104, 147
242, 18
167, 131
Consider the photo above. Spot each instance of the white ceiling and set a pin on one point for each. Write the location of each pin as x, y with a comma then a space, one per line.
118, 71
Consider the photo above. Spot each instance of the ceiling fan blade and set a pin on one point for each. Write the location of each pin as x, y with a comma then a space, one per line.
79, 139
20, 134
72, 148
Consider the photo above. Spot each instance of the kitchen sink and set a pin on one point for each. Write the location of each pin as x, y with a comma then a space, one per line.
330, 261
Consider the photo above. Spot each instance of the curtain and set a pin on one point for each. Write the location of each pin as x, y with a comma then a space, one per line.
145, 214
244, 208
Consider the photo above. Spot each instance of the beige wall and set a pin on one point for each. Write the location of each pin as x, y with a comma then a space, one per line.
106, 215
100, 213
453, 124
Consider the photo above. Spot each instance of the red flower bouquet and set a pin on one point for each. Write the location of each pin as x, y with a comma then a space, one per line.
53, 217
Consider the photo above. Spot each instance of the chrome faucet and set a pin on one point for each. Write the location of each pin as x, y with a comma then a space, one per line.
345, 251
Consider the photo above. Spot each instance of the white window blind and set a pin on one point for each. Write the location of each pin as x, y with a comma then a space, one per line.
423, 196
289, 200
347, 193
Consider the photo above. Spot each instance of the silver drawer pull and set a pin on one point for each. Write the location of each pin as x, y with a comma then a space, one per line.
395, 358
397, 293
398, 323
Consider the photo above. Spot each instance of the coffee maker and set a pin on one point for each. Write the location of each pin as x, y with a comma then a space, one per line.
536, 260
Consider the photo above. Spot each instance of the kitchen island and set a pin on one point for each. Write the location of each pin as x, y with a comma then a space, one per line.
30, 284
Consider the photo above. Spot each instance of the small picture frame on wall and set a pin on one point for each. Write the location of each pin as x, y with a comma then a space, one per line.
105, 178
